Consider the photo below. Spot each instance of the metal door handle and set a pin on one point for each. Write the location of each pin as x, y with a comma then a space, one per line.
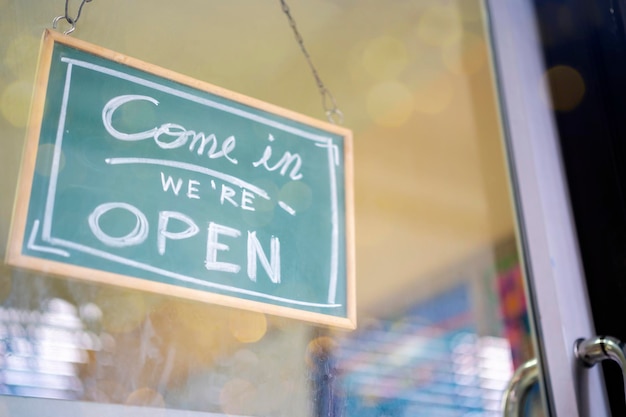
523, 379
597, 349
588, 351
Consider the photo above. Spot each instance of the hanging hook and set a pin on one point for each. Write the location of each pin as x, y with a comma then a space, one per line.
333, 114
70, 20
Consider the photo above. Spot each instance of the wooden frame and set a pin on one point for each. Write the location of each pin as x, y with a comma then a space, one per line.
53, 262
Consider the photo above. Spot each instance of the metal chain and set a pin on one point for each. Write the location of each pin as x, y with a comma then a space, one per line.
329, 104
333, 113
70, 20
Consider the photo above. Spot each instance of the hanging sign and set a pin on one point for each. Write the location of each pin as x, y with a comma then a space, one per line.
137, 176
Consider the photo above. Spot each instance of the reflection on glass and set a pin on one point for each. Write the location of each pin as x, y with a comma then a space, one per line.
430, 362
437, 357
42, 351
442, 315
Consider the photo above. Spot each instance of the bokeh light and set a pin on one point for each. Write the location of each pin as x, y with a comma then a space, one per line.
247, 326
122, 311
15, 102
90, 313
468, 56
433, 93
440, 25
21, 56
199, 333
321, 346
245, 359
297, 195
237, 395
146, 397
390, 104
264, 211
567, 87
385, 57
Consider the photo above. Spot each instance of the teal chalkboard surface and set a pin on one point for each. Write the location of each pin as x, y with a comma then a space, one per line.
137, 176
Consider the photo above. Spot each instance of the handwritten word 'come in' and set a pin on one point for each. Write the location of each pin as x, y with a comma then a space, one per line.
172, 136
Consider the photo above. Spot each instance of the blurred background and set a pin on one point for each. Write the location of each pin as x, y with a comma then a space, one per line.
441, 308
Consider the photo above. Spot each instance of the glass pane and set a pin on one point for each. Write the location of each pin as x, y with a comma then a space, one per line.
442, 316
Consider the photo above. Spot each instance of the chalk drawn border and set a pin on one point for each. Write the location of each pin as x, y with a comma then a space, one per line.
46, 226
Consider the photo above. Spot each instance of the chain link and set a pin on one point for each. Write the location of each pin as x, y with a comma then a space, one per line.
329, 104
70, 20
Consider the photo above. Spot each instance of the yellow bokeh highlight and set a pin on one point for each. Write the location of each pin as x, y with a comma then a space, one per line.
197, 333
321, 346
146, 397
467, 56
385, 57
247, 326
237, 396
440, 26
263, 212
390, 104
244, 359
433, 93
297, 195
567, 87
21, 56
15, 102
196, 319
262, 204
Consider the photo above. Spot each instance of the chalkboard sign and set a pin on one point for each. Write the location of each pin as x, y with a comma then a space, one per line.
134, 175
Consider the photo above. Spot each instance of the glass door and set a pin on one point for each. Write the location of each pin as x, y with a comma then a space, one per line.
582, 68
445, 312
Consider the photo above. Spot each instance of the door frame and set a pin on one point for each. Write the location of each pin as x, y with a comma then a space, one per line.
546, 233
